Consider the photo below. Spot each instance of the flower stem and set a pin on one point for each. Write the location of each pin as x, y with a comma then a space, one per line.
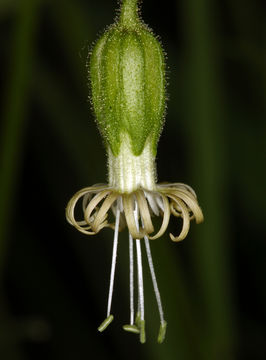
129, 13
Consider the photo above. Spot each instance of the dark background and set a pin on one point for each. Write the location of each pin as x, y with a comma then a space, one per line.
54, 280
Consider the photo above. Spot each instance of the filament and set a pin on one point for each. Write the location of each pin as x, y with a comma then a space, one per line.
141, 321
131, 278
112, 275
140, 280
140, 271
154, 281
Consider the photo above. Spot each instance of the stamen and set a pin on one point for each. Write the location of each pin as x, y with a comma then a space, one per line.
109, 317
105, 323
163, 325
141, 322
112, 275
162, 332
141, 292
131, 278
154, 281
132, 327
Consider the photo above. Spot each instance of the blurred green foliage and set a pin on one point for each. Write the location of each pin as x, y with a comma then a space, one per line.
53, 280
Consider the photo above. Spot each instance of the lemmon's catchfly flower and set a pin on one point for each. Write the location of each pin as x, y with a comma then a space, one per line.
127, 76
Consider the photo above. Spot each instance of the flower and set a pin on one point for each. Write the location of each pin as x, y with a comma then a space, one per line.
134, 198
127, 74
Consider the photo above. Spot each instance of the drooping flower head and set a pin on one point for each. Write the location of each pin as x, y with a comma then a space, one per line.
127, 76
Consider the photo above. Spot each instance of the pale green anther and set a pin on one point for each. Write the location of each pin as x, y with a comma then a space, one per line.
140, 324
127, 73
142, 331
162, 332
131, 328
105, 323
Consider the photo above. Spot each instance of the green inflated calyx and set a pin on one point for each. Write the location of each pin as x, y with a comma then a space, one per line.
127, 73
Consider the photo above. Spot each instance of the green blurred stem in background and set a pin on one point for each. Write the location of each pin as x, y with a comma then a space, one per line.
205, 114
16, 100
